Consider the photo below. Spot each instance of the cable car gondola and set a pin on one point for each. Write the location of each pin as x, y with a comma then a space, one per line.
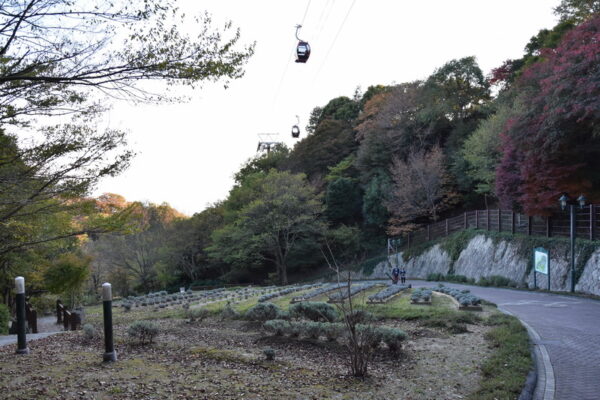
303, 48
296, 129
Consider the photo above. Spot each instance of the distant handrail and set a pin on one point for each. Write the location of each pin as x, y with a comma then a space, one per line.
69, 319
587, 218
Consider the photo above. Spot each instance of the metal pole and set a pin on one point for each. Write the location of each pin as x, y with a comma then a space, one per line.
20, 300
573, 232
110, 354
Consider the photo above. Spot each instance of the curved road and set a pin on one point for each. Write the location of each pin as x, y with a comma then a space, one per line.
566, 336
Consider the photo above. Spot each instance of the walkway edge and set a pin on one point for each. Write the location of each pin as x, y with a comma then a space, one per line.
546, 384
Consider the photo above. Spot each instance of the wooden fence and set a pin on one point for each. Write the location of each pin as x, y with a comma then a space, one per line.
31, 317
69, 319
587, 225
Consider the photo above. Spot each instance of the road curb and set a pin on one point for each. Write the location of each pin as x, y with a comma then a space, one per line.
546, 385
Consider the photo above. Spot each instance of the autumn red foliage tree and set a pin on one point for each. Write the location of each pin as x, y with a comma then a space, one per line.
552, 146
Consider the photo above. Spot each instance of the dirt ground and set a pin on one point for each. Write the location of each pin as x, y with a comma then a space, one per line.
217, 359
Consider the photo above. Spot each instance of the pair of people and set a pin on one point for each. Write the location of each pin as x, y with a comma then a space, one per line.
398, 273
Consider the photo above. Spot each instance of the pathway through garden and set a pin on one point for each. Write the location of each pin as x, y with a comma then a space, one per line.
566, 334
47, 326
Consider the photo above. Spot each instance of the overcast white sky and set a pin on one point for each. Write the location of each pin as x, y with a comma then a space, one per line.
188, 153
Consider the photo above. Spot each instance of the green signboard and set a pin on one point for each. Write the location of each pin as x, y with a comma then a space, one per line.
541, 260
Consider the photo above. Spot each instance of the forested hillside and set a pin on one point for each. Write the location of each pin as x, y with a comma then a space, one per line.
380, 163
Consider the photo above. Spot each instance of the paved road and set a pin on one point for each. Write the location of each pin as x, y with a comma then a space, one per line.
566, 332
46, 326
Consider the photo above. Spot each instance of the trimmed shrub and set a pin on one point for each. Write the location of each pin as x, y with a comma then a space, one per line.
4, 319
263, 312
314, 311
369, 335
89, 332
435, 277
276, 327
293, 328
127, 306
197, 314
143, 331
312, 329
392, 337
360, 317
269, 354
496, 280
333, 331
229, 313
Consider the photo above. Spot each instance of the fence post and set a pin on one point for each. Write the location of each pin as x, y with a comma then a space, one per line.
529, 219
512, 222
548, 226
466, 222
428, 233
447, 231
408, 240
476, 219
59, 312
499, 220
592, 221
487, 212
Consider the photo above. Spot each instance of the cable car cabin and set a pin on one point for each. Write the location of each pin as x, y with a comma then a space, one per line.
295, 131
302, 52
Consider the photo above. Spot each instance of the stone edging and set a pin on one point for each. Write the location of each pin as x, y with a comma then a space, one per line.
541, 384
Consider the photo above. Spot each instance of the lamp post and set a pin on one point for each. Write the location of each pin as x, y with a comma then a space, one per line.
110, 355
566, 201
20, 304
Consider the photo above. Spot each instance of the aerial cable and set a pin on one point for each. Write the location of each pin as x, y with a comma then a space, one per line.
305, 12
323, 21
334, 40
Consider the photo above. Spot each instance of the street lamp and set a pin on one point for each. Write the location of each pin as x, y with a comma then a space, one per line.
565, 201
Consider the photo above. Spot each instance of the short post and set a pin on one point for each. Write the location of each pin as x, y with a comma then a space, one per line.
20, 300
59, 312
109, 354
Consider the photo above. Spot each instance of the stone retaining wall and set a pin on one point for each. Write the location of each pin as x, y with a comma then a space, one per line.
484, 257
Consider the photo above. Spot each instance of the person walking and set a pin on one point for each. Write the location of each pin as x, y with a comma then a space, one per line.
402, 275
395, 274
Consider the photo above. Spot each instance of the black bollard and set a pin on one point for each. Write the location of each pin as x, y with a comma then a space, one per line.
110, 354
20, 300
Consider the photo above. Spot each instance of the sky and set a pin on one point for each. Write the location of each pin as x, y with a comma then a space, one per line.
187, 153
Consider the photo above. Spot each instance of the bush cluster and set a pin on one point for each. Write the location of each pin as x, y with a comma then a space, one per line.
369, 335
229, 312
284, 291
143, 331
319, 291
387, 292
464, 297
89, 332
421, 294
497, 281
263, 312
314, 311
342, 293
450, 278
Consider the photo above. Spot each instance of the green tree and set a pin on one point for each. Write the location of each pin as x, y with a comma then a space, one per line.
481, 150
343, 201
285, 212
67, 275
577, 10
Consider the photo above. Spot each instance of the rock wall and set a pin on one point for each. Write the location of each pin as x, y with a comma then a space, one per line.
484, 257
